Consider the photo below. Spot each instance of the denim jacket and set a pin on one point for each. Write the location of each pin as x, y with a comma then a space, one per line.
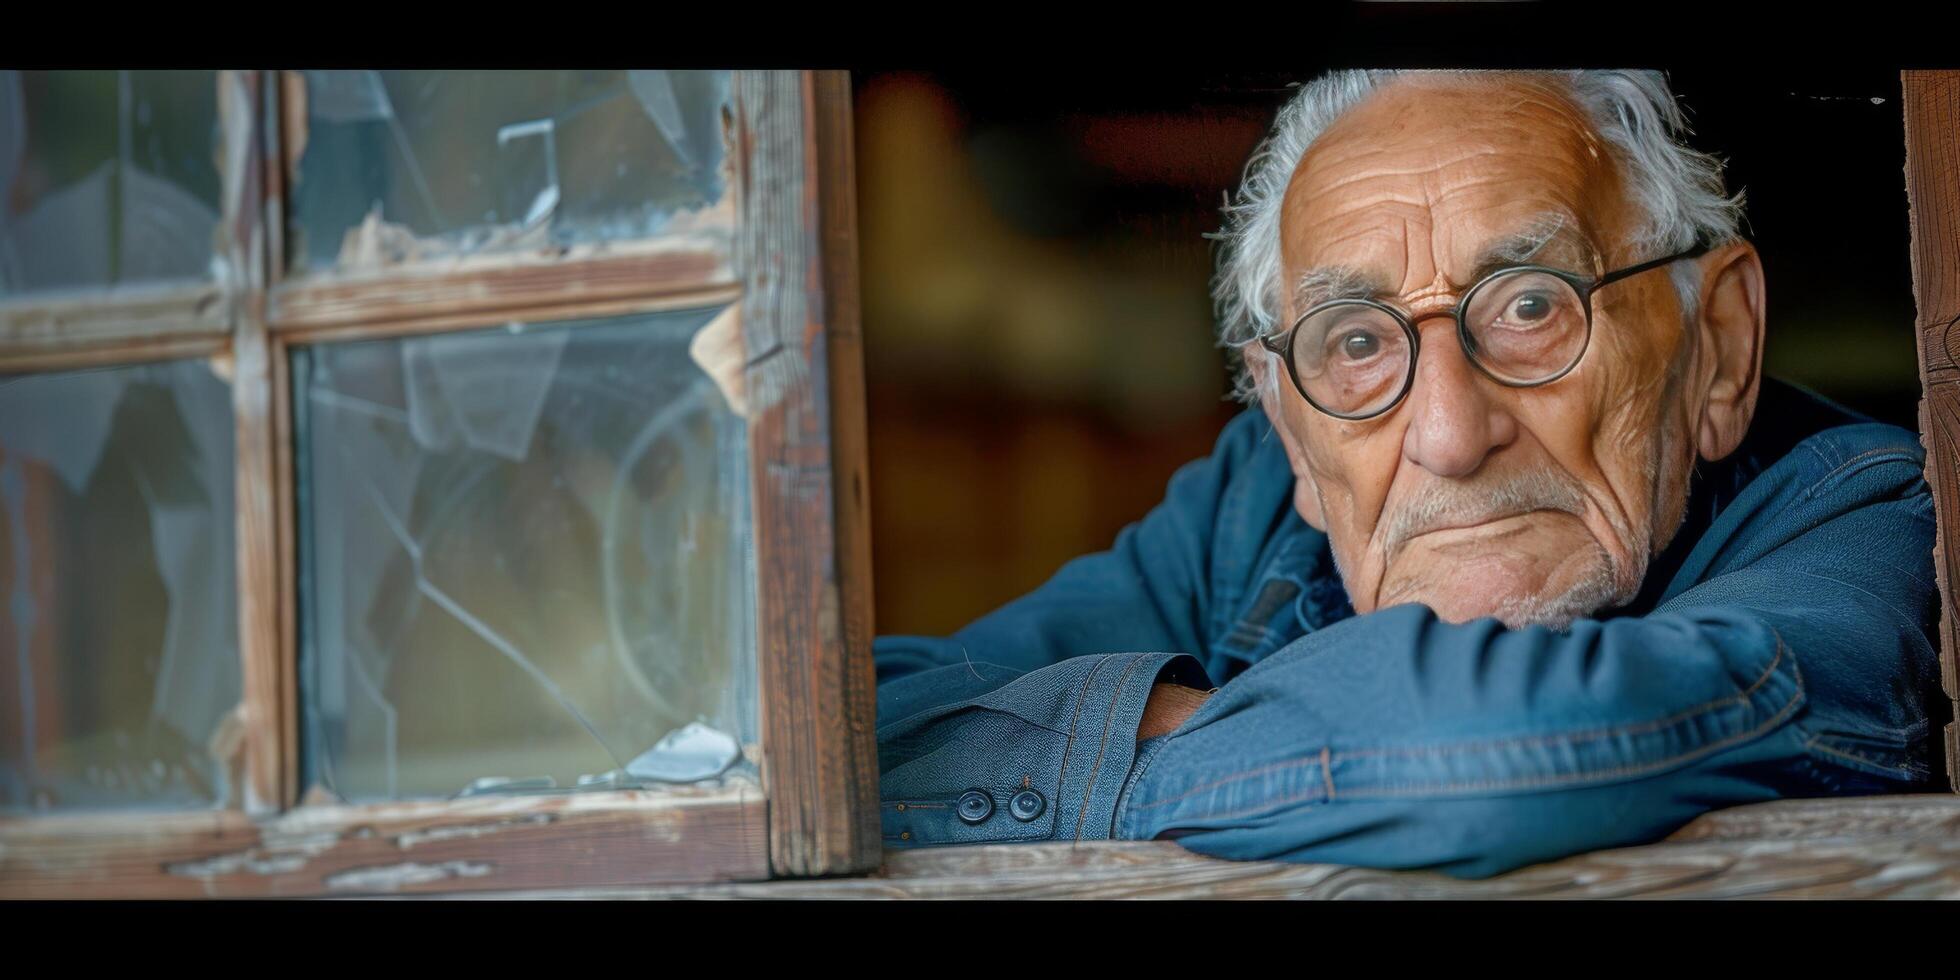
1783, 645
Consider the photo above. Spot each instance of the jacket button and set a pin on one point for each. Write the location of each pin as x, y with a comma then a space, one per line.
975, 806
1026, 805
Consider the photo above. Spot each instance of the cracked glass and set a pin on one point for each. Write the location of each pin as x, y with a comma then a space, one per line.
110, 178
400, 166
119, 669
525, 563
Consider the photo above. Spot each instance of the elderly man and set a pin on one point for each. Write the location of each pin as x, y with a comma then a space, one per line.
1517, 556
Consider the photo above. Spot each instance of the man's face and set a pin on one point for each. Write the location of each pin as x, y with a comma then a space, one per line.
1530, 504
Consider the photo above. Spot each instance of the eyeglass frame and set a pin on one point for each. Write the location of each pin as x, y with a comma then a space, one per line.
1282, 343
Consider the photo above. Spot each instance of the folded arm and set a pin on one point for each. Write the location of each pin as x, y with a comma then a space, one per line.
1398, 740
1800, 664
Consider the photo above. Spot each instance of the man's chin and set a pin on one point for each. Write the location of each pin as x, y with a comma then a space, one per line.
1516, 592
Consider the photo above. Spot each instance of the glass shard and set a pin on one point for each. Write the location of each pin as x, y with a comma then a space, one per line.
694, 752
404, 166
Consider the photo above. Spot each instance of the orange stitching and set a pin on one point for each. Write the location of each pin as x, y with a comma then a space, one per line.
1327, 770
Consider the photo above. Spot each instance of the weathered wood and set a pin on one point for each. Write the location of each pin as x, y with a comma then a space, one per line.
1879, 847
275, 130
817, 691
1857, 817
652, 299
261, 571
1932, 115
165, 347
275, 169
286, 551
491, 842
487, 290
36, 330
834, 150
271, 133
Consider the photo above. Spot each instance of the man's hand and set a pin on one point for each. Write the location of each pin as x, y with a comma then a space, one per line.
1168, 707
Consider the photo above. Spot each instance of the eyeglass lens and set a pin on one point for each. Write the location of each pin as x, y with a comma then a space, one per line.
1354, 359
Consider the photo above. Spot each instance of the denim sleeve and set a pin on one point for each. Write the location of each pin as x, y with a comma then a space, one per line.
1794, 667
981, 753
1040, 699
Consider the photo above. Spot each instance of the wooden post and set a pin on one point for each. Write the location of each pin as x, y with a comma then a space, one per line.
806, 450
1932, 111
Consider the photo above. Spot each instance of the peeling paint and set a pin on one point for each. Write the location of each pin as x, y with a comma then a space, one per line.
412, 838
717, 348
377, 243
277, 858
246, 863
394, 877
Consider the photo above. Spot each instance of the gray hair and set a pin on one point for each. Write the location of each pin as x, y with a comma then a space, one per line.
1679, 189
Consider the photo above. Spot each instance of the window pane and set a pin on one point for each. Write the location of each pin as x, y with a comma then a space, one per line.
525, 561
398, 166
110, 178
118, 630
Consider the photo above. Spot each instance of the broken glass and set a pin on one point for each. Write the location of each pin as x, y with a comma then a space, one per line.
524, 561
110, 178
397, 166
119, 672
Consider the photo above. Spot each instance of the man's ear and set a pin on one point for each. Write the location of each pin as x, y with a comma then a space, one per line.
1729, 331
1266, 379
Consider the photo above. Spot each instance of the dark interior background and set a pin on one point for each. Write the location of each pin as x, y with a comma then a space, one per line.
1037, 320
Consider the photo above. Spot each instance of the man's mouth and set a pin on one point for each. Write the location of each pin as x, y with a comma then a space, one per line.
1450, 536
1465, 525
1479, 529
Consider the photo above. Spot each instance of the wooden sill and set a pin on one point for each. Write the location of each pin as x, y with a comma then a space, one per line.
490, 842
1870, 847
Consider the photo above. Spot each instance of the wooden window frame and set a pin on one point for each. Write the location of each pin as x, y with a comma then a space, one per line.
1932, 110
793, 268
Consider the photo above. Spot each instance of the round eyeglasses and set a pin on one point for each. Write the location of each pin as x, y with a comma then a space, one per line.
1522, 326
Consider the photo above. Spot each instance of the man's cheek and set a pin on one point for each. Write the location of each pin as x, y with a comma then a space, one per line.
1626, 388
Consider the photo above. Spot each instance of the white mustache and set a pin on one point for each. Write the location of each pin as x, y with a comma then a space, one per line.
1450, 504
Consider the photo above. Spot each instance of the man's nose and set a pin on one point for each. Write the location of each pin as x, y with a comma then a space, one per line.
1455, 421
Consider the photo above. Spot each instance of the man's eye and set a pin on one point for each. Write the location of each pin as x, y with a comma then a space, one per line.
1532, 307
1360, 345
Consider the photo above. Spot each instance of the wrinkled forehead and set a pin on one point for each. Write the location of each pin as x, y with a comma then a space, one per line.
1430, 178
